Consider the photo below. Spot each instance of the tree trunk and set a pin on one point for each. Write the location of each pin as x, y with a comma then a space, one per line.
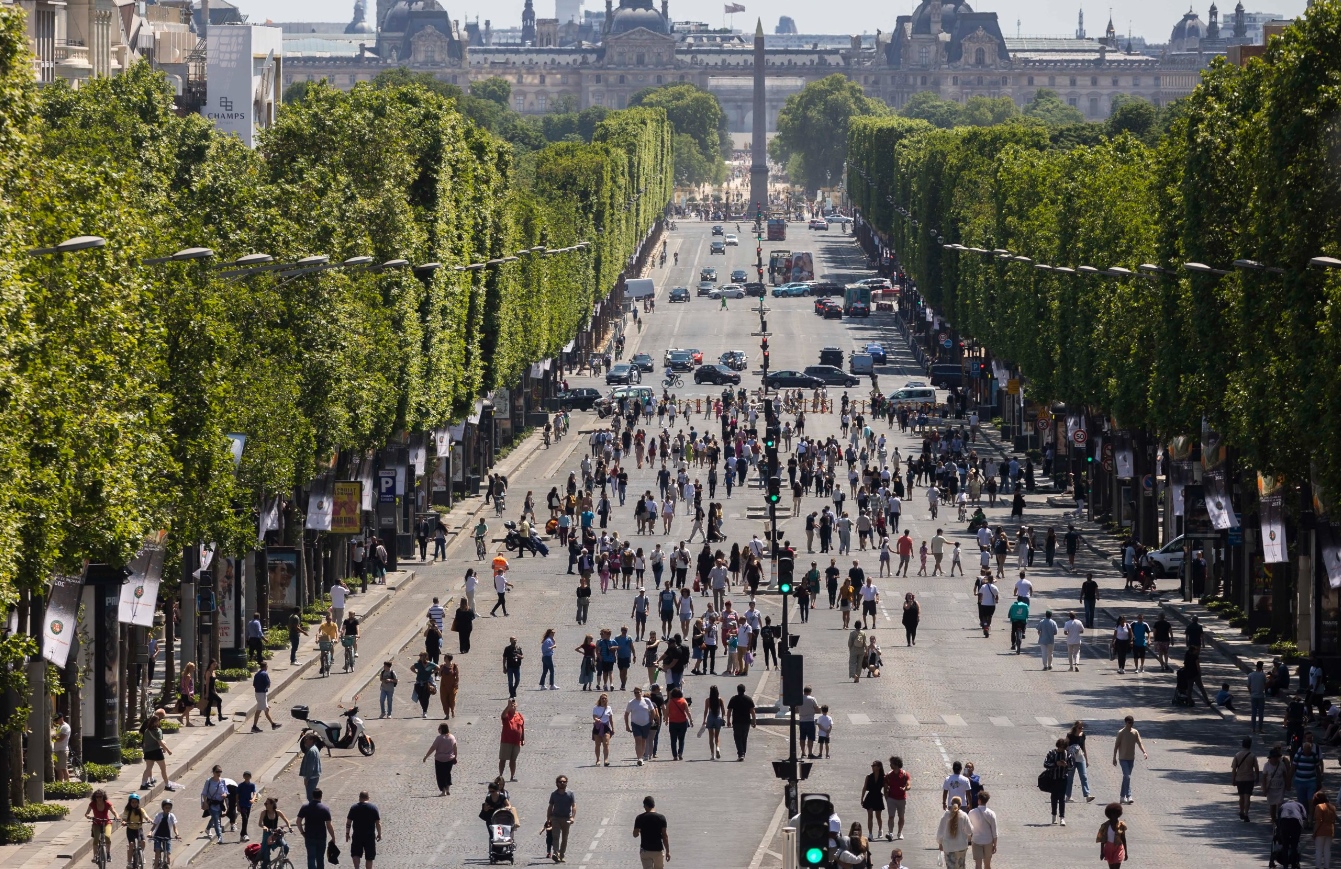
169, 661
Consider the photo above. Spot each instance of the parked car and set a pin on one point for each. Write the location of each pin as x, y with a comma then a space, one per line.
832, 376
582, 398
717, 230
717, 247
679, 294
739, 276
915, 396
832, 356
732, 240
819, 224
730, 291
715, 374
708, 274
643, 361
755, 290
734, 359
623, 374
877, 353
791, 380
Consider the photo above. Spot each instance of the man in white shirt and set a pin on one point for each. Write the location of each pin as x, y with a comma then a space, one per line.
988, 595
1024, 589
956, 785
501, 586
933, 499
717, 577
805, 722
638, 720
338, 593
1074, 629
982, 835
757, 546
471, 582
870, 597
937, 551
985, 537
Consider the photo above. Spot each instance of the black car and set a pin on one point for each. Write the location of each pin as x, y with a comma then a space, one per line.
708, 274
623, 373
791, 380
583, 398
642, 362
826, 288
681, 360
739, 276
679, 294
833, 311
734, 359
717, 230
756, 289
715, 374
831, 375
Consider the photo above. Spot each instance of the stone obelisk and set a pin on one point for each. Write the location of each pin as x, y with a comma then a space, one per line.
759, 143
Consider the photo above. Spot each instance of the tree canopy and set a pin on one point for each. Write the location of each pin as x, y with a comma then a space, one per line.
813, 128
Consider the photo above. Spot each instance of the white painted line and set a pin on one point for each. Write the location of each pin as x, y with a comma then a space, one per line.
858, 718
906, 719
601, 832
779, 814
954, 721
1000, 721
1046, 722
604, 821
563, 721
945, 755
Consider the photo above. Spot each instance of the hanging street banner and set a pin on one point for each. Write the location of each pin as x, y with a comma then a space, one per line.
1075, 429
58, 631
1124, 457
319, 504
269, 520
1215, 464
1271, 511
347, 507
139, 593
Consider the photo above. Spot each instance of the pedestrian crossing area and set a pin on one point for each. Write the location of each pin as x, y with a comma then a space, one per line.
904, 719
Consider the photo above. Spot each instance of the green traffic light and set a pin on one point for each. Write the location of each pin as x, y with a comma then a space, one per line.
785, 587
814, 856
773, 499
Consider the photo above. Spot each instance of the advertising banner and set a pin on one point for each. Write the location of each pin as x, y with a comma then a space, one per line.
281, 575
1124, 456
269, 520
319, 504
347, 507
58, 631
1271, 511
1215, 464
139, 593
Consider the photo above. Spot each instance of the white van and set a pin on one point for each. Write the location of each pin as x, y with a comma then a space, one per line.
915, 395
860, 363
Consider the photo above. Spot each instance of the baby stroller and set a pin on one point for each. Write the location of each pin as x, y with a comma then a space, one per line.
1182, 690
501, 844
1285, 844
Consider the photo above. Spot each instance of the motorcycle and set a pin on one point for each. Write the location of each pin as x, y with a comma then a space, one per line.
335, 735
513, 541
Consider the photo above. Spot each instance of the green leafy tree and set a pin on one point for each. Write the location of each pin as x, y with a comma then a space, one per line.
928, 106
1048, 107
495, 90
1135, 116
813, 125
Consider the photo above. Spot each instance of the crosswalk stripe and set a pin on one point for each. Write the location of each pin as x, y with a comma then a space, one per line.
954, 720
858, 718
563, 721
1000, 721
1046, 722
906, 719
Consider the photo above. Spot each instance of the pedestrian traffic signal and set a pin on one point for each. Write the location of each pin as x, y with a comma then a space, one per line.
771, 434
812, 829
774, 490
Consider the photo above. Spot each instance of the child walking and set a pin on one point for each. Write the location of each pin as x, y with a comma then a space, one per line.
823, 727
922, 554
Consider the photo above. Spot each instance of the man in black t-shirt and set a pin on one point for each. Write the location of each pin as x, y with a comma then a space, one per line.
363, 828
1089, 596
314, 822
651, 828
1072, 544
740, 718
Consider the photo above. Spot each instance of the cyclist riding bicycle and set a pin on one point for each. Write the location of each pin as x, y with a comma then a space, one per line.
547, 430
350, 632
481, 537
164, 828
102, 814
273, 824
134, 819
327, 634
1019, 622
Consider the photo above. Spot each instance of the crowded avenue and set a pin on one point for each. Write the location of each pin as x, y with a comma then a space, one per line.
960, 699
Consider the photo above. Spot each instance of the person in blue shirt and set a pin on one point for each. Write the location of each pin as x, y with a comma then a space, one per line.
1140, 642
588, 517
624, 655
246, 795
1224, 698
605, 661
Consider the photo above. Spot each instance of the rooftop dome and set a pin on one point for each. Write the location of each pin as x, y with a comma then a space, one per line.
633, 14
1189, 28
398, 19
950, 10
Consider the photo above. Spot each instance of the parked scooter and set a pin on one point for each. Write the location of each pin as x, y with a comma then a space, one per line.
514, 540
329, 736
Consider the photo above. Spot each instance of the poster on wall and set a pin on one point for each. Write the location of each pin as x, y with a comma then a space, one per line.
139, 593
58, 631
281, 575
1271, 511
319, 511
347, 507
1180, 471
225, 581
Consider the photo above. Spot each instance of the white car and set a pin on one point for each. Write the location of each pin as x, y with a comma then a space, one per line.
732, 240
876, 284
730, 291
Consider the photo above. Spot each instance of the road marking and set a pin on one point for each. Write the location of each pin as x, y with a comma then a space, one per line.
858, 718
906, 719
779, 815
945, 755
1000, 721
604, 821
600, 832
1046, 722
954, 721
563, 721
961, 596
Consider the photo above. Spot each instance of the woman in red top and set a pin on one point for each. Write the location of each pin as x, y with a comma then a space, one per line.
679, 719
102, 814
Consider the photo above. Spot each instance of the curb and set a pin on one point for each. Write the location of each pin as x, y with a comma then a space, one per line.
1219, 647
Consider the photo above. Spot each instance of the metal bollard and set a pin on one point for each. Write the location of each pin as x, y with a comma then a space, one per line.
788, 848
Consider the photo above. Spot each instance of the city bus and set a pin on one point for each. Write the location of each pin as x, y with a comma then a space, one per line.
857, 301
777, 229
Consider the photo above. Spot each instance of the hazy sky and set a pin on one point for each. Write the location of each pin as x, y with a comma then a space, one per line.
1152, 19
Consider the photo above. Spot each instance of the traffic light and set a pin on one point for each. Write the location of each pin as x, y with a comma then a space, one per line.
786, 569
793, 679
763, 345
812, 830
774, 490
771, 435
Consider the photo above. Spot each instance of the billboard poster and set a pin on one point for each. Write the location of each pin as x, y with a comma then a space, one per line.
281, 576
58, 631
225, 582
1124, 456
139, 593
347, 507
1271, 512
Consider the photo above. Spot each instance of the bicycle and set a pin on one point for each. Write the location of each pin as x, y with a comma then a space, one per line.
479, 548
137, 855
259, 854
162, 856
672, 380
348, 643
326, 658
102, 845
